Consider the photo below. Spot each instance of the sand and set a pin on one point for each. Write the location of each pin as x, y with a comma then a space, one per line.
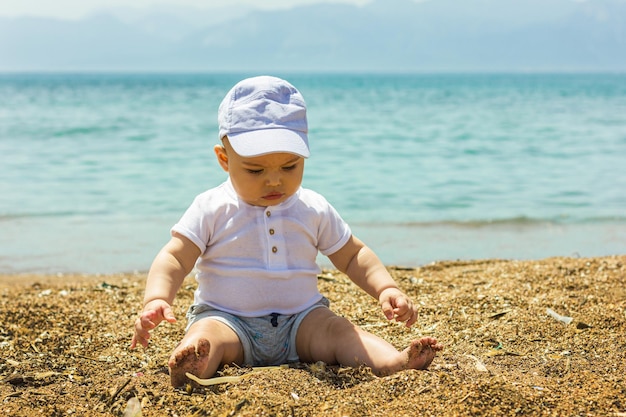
64, 347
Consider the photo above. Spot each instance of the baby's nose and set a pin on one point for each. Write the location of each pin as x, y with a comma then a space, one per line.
273, 179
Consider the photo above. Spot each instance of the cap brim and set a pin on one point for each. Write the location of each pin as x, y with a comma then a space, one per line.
264, 141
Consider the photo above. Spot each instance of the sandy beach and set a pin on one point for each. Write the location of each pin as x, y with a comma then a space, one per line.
541, 338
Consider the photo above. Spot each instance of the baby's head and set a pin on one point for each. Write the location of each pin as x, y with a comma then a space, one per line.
263, 128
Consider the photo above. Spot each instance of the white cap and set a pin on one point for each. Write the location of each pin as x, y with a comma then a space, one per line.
262, 115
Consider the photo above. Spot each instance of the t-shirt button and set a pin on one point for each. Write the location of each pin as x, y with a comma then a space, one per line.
271, 231
274, 249
268, 213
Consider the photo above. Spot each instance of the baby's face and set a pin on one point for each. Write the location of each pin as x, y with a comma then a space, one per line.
265, 180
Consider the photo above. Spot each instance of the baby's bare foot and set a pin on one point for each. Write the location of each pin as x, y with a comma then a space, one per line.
421, 353
191, 358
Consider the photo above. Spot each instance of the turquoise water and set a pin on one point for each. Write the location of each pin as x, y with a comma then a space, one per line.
95, 168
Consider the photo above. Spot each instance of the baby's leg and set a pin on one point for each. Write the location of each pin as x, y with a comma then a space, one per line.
324, 336
207, 345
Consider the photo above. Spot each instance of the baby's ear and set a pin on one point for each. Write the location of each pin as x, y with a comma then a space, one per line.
222, 156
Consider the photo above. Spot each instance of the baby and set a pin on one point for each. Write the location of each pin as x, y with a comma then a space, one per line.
254, 241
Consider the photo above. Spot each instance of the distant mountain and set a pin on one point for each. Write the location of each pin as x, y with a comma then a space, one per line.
169, 22
385, 35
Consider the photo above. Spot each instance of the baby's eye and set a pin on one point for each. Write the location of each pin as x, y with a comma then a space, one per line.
290, 167
254, 171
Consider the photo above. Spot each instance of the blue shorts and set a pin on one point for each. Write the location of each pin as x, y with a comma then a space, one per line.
266, 341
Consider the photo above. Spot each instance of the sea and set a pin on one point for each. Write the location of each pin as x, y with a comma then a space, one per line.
95, 168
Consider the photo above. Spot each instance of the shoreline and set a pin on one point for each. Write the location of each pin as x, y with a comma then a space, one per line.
24, 250
27, 279
22, 280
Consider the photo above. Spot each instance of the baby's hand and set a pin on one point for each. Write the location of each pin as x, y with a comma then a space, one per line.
153, 313
397, 305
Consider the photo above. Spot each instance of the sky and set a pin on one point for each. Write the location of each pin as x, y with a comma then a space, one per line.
76, 9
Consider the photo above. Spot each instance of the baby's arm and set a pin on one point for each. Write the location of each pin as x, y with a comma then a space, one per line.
364, 268
167, 273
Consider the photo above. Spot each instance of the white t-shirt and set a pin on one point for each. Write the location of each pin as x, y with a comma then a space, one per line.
260, 260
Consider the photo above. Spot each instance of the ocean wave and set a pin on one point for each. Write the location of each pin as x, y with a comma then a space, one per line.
48, 214
469, 223
504, 222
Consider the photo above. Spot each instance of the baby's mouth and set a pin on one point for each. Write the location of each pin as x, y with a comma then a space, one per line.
273, 196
